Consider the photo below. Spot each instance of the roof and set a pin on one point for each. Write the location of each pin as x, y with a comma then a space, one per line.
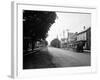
84, 31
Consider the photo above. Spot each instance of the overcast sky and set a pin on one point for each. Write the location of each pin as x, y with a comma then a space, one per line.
73, 22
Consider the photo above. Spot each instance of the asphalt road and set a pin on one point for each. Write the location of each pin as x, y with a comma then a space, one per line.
49, 57
38, 59
66, 58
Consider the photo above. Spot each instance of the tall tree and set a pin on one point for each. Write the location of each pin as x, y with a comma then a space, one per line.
37, 23
55, 43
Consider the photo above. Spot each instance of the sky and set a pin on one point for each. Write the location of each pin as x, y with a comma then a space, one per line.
71, 22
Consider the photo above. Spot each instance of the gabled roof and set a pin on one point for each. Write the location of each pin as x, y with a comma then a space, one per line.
84, 31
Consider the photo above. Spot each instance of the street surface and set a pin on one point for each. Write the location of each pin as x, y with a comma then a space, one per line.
66, 58
50, 57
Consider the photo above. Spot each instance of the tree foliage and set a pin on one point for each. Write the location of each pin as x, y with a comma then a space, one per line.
37, 23
55, 43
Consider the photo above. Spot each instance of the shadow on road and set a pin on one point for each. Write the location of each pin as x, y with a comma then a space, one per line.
41, 59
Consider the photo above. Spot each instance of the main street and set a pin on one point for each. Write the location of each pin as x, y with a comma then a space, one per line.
50, 57
67, 58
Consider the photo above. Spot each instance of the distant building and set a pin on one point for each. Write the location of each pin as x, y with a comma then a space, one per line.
71, 39
79, 41
85, 37
42, 43
81, 36
63, 42
88, 38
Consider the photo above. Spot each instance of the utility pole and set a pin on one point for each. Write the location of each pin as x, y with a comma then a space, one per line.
67, 32
84, 27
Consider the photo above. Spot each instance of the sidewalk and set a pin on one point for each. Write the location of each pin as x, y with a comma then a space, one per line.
88, 51
41, 59
70, 49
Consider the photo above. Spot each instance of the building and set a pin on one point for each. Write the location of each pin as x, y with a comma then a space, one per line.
71, 39
70, 36
84, 39
80, 41
88, 38
63, 42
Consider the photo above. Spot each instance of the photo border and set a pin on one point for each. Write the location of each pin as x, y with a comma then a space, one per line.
17, 38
